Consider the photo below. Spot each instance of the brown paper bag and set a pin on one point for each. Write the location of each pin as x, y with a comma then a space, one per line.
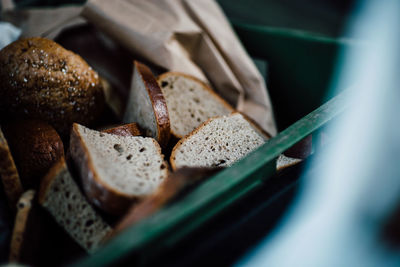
191, 36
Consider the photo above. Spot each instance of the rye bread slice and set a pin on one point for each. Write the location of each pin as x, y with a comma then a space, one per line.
147, 106
190, 102
129, 129
116, 171
220, 141
175, 185
26, 230
62, 198
9, 173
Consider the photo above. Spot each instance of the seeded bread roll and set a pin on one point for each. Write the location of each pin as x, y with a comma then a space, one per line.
42, 80
220, 141
190, 102
9, 174
35, 147
116, 171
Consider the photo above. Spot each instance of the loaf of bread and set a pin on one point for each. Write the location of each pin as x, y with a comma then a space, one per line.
147, 106
116, 171
220, 141
35, 146
40, 79
190, 102
61, 197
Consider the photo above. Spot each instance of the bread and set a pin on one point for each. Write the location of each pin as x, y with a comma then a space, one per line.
61, 197
176, 183
190, 102
147, 106
26, 230
9, 173
283, 162
116, 171
220, 141
35, 146
129, 129
40, 79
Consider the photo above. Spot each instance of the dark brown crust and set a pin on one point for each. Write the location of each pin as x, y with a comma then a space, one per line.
129, 129
9, 174
35, 146
98, 192
203, 84
49, 178
170, 188
158, 101
301, 149
172, 157
25, 226
40, 79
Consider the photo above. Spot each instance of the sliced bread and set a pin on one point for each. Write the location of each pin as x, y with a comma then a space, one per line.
9, 173
129, 129
26, 230
116, 171
220, 141
61, 197
190, 102
176, 183
35, 146
146, 105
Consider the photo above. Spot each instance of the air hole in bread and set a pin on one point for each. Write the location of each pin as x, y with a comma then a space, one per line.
67, 221
198, 119
129, 157
206, 138
89, 223
142, 149
21, 205
69, 207
192, 115
119, 148
191, 89
67, 194
162, 167
196, 100
164, 84
101, 134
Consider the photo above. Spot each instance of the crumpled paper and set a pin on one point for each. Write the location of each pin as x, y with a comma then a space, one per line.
190, 36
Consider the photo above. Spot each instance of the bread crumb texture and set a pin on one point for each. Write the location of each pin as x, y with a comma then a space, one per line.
133, 165
71, 210
219, 142
190, 103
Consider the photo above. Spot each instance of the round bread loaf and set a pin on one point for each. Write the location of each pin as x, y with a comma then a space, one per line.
35, 146
42, 80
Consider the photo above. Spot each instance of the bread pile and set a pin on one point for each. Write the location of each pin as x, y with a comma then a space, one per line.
57, 156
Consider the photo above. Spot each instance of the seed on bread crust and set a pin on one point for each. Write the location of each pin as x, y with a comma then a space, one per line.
42, 80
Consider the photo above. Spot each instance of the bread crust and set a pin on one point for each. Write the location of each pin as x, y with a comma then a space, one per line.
129, 129
47, 180
203, 84
24, 224
99, 193
158, 102
36, 146
172, 157
9, 173
42, 80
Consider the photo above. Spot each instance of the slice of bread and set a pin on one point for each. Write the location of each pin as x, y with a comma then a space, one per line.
129, 129
147, 106
284, 162
220, 141
26, 230
60, 195
190, 102
9, 173
116, 171
176, 184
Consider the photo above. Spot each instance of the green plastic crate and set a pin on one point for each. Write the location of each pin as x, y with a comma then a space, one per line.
296, 90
